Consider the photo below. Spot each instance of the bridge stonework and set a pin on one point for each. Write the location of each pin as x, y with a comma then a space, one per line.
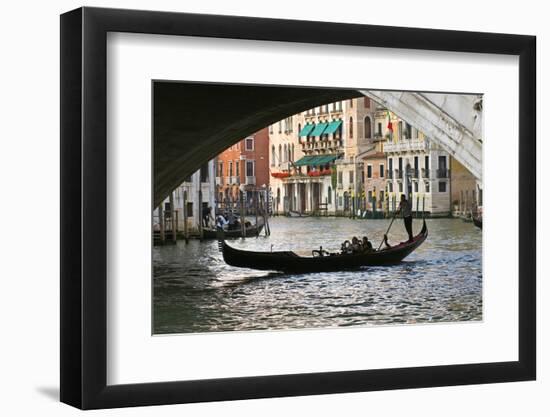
454, 121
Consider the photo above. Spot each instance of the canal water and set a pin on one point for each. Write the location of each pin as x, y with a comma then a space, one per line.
195, 291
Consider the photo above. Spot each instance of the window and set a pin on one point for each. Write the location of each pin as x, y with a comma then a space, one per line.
408, 131
367, 127
292, 153
427, 187
289, 153
351, 103
442, 162
367, 102
271, 129
285, 154
400, 187
230, 169
351, 127
379, 129
442, 186
390, 187
329, 199
280, 126
351, 177
280, 154
237, 165
362, 177
369, 171
189, 209
249, 168
427, 162
416, 163
249, 144
381, 198
390, 166
220, 170
400, 164
381, 170
272, 155
369, 196
415, 185
340, 177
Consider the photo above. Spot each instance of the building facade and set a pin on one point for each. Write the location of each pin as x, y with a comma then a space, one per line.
196, 192
243, 167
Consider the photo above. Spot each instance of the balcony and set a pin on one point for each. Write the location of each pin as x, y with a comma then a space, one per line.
251, 180
413, 173
406, 145
425, 172
235, 180
442, 173
389, 174
218, 180
398, 174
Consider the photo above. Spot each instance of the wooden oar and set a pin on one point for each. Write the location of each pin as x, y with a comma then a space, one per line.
387, 231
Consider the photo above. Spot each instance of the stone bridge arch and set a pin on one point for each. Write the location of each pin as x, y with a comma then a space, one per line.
193, 123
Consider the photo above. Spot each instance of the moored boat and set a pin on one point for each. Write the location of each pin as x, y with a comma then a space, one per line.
478, 222
288, 261
250, 231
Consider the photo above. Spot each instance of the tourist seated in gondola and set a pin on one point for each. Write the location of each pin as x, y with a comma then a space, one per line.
366, 244
221, 222
356, 246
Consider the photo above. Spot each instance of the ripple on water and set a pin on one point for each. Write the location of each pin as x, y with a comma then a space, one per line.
195, 291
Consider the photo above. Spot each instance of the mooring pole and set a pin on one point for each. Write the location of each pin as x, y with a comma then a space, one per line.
201, 235
185, 234
172, 217
161, 224
243, 226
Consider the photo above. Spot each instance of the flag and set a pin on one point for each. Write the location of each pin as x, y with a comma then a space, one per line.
390, 126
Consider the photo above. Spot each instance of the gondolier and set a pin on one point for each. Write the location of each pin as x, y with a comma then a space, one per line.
405, 210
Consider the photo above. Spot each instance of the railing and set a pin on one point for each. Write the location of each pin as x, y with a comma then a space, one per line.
405, 145
398, 173
442, 173
251, 180
425, 172
389, 174
413, 173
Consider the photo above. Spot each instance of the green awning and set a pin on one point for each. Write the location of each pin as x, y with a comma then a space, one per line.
315, 160
306, 129
325, 159
305, 160
319, 129
332, 127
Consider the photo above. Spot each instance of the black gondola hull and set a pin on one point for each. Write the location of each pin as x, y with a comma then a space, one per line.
290, 262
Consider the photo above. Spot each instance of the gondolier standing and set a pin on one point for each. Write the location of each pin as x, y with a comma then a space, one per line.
406, 211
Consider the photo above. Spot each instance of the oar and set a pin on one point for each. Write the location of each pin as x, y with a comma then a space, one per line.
387, 231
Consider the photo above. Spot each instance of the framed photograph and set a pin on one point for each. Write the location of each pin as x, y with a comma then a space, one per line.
257, 208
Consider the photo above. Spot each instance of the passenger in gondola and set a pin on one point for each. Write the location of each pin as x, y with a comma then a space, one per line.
221, 222
405, 209
367, 245
356, 245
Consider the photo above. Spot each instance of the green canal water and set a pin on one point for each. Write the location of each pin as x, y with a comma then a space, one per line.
195, 291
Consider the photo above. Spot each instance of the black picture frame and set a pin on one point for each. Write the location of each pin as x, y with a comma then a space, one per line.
84, 207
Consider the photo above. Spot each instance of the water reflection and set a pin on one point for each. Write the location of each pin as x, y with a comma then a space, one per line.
195, 291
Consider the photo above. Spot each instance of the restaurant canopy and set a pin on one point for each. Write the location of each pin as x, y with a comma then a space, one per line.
316, 160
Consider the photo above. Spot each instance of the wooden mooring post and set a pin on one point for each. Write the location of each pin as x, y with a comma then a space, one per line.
162, 235
201, 233
173, 224
243, 226
185, 229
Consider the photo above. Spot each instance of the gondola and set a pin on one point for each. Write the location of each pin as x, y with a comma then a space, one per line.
250, 231
478, 222
296, 214
287, 261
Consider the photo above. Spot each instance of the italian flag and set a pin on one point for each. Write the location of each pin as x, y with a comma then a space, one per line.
390, 126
